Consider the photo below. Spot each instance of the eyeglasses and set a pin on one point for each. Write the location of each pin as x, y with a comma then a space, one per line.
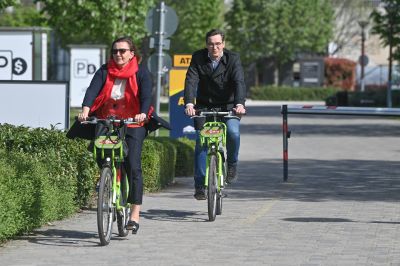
217, 44
121, 51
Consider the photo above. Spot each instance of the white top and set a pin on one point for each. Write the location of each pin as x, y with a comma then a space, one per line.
118, 90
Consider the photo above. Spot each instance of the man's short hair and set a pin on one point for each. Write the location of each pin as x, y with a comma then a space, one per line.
214, 32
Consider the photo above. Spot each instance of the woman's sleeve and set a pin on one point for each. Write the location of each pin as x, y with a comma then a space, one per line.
95, 87
145, 85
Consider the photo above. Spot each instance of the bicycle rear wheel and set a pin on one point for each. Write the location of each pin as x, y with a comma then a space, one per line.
105, 209
124, 214
212, 187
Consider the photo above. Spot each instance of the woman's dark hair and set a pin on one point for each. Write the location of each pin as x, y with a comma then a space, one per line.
214, 32
132, 46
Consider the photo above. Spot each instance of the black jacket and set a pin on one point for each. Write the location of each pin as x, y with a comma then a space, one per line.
144, 82
223, 87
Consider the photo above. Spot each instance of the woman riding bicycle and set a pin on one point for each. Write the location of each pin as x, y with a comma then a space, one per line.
123, 88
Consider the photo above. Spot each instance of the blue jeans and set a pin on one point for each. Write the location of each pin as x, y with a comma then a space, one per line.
232, 150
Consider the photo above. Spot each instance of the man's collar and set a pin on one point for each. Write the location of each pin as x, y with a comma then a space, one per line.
218, 59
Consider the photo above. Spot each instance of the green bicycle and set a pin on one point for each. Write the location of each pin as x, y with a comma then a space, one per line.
113, 188
213, 135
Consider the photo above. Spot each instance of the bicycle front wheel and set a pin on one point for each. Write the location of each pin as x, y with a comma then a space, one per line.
105, 210
212, 187
123, 214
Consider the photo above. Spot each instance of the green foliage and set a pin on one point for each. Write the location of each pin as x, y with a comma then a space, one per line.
272, 93
97, 22
22, 16
68, 159
196, 18
31, 192
44, 176
7, 3
279, 29
387, 25
185, 157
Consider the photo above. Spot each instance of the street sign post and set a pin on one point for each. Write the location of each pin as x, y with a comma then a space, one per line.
161, 22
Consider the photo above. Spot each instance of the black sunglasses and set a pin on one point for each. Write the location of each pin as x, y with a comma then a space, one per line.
121, 51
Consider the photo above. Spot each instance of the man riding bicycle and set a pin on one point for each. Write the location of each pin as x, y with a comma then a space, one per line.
215, 77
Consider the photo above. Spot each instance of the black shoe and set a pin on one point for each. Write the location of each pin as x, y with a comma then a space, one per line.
232, 174
200, 193
132, 225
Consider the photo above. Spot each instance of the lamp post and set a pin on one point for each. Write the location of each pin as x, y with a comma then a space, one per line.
363, 58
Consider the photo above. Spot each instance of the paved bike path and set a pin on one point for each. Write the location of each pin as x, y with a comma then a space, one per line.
340, 206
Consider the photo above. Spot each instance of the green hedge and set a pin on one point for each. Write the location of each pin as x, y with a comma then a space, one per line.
44, 176
273, 93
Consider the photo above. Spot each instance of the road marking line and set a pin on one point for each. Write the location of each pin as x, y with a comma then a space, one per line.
260, 212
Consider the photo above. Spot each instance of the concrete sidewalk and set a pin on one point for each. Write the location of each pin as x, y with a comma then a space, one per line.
339, 207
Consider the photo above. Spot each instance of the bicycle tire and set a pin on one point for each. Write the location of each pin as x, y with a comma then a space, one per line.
105, 209
219, 194
212, 188
124, 214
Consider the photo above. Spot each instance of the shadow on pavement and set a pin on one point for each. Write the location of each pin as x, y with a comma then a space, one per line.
173, 215
319, 180
59, 237
331, 220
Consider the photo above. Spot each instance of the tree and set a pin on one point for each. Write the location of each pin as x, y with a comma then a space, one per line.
96, 22
279, 29
387, 26
196, 18
7, 3
22, 16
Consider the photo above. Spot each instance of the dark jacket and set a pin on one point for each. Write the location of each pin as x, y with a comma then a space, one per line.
143, 78
223, 87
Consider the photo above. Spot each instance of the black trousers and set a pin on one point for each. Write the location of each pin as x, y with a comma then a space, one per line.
133, 163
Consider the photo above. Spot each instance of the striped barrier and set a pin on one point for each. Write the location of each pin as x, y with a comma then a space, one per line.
324, 110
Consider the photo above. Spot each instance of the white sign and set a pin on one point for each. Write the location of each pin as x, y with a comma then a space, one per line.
85, 61
34, 104
16, 55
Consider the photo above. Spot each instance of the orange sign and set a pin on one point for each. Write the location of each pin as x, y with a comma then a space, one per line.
182, 60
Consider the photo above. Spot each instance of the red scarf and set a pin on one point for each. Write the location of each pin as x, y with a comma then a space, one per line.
131, 90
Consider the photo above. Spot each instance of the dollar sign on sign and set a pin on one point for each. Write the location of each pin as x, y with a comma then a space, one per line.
18, 66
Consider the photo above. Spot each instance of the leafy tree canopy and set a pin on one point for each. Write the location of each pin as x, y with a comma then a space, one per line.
97, 22
279, 28
196, 18
7, 3
387, 24
26, 16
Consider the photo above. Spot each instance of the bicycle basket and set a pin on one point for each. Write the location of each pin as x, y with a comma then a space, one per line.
109, 146
213, 131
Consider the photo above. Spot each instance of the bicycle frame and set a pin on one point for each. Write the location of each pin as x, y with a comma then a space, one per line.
112, 197
114, 144
213, 135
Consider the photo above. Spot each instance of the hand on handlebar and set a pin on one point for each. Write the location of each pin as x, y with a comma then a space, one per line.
190, 111
140, 117
239, 110
82, 116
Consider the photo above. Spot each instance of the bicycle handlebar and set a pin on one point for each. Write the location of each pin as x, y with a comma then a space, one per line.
226, 114
95, 120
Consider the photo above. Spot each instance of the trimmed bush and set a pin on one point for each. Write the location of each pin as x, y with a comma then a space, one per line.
185, 157
44, 176
273, 93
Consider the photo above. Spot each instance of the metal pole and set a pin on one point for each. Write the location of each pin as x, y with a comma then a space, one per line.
362, 56
286, 135
160, 58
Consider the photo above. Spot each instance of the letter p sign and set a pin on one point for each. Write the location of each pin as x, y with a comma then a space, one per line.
5, 65
82, 68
